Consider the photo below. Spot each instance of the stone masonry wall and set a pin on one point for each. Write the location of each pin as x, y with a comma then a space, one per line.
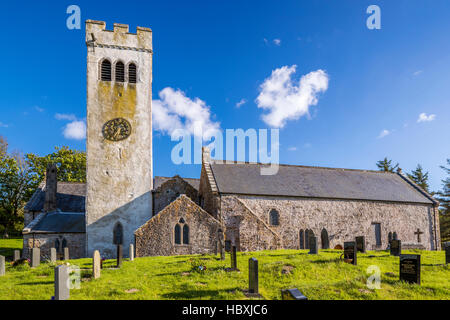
170, 190
76, 242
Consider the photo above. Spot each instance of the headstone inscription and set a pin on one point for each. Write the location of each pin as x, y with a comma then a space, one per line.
410, 268
253, 275
361, 244
313, 245
350, 252
35, 257
53, 255
2, 266
62, 289
16, 255
447, 253
233, 258
292, 294
396, 248
119, 255
96, 265
131, 252
66, 253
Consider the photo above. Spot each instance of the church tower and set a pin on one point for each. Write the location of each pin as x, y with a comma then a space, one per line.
119, 135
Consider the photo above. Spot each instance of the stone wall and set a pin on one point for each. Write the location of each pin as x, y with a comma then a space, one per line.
209, 199
76, 242
169, 191
156, 237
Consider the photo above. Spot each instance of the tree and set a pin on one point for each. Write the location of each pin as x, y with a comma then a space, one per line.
444, 194
386, 165
420, 178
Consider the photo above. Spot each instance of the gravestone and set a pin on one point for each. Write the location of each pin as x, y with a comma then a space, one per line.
2, 266
62, 289
119, 256
16, 255
35, 257
221, 251
292, 294
96, 261
313, 245
396, 248
53, 255
253, 276
66, 253
410, 268
131, 252
350, 252
361, 244
447, 253
233, 258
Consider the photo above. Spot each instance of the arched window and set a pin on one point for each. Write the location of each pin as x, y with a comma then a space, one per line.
394, 236
185, 234
118, 234
120, 72
106, 70
274, 219
306, 239
325, 239
389, 237
64, 243
177, 234
132, 75
302, 239
57, 245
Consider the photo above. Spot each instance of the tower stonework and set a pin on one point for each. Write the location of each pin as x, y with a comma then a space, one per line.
119, 135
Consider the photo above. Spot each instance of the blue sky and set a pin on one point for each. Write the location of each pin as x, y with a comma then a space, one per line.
223, 51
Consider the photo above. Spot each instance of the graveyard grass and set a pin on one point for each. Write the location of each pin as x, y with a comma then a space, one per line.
321, 276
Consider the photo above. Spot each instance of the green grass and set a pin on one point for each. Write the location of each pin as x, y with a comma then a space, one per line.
7, 246
321, 276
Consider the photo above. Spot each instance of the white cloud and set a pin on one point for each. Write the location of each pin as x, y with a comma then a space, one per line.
277, 42
240, 103
384, 133
423, 117
75, 130
38, 109
292, 148
287, 100
176, 111
63, 116
417, 72
3, 125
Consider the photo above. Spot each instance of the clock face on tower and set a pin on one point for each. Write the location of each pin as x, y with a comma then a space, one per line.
116, 129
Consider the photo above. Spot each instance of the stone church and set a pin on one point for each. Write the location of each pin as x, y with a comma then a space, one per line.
230, 205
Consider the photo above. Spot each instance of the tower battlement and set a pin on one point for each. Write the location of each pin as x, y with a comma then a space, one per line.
119, 37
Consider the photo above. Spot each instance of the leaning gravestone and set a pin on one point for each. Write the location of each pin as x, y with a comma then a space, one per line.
62, 289
361, 244
53, 255
2, 265
410, 268
253, 276
396, 248
35, 257
96, 265
16, 255
313, 245
292, 294
66, 253
350, 252
119, 256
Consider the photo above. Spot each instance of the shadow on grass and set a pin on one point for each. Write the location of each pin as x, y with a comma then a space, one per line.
35, 283
323, 261
197, 294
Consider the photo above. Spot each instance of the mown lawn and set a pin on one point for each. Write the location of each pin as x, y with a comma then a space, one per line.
321, 276
7, 246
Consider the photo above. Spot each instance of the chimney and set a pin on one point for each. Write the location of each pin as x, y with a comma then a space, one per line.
206, 155
51, 183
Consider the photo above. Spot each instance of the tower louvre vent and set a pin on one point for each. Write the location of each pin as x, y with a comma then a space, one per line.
132, 78
106, 71
120, 72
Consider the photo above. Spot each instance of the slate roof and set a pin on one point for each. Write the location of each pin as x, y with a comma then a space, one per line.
316, 182
70, 197
61, 222
159, 181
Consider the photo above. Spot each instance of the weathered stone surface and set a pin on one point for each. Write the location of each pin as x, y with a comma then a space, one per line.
62, 289
66, 253
131, 252
16, 255
253, 277
76, 243
2, 266
96, 269
53, 255
35, 257
156, 237
170, 190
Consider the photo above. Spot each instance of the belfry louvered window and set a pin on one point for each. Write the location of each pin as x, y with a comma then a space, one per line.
106, 71
120, 72
132, 76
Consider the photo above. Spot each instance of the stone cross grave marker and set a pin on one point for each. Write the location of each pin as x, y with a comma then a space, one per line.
410, 268
292, 294
418, 233
2, 266
313, 245
361, 244
66, 253
396, 248
131, 252
253, 276
96, 265
16, 255
119, 255
35, 257
350, 252
233, 258
53, 255
62, 289
447, 253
